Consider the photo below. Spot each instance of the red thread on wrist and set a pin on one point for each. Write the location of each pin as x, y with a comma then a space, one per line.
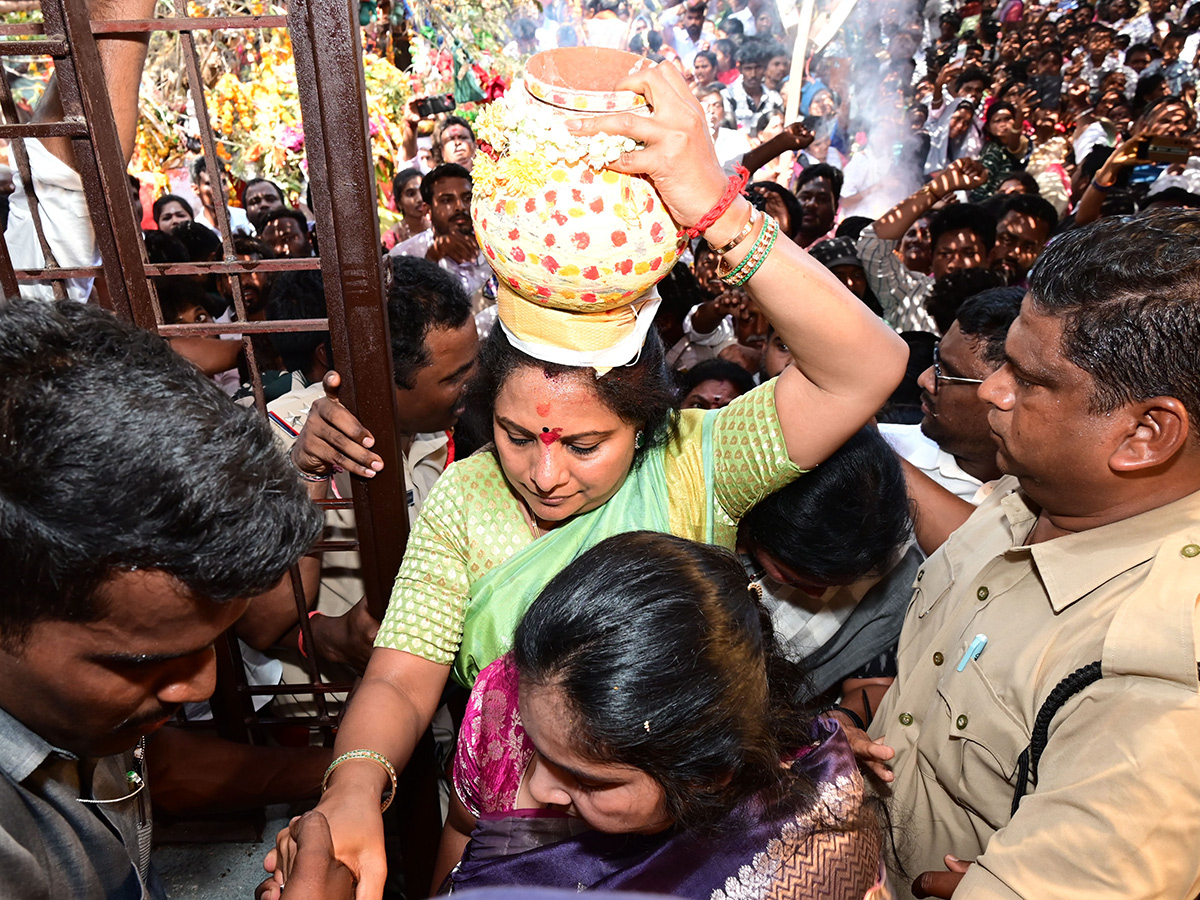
737, 181
300, 636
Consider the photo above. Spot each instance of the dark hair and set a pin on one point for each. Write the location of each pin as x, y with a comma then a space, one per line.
963, 216
255, 182
116, 453
178, 293
1140, 47
852, 226
969, 74
845, 520
1148, 84
756, 51
709, 55
950, 18
161, 203
197, 168
402, 178
445, 170
298, 295
714, 370
703, 701
640, 393
162, 247
420, 296
201, 242
1128, 294
949, 292
1172, 196
287, 212
987, 316
1033, 205
244, 245
823, 170
788, 198
1027, 181
733, 26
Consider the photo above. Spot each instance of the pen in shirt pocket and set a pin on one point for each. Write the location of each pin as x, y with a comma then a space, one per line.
973, 650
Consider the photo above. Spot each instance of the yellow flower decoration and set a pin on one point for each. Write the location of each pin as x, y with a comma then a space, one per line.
522, 174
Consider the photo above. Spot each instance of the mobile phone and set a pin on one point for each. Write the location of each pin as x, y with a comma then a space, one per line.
1145, 174
812, 123
1164, 149
431, 106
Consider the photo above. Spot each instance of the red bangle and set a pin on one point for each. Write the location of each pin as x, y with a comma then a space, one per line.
737, 181
300, 636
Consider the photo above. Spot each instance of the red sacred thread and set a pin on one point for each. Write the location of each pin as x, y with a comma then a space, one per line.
737, 181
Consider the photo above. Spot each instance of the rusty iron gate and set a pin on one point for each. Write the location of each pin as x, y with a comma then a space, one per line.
328, 59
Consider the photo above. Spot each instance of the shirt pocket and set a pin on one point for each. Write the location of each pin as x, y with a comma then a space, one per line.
981, 742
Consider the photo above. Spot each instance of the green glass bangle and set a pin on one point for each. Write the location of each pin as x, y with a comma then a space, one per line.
770, 245
731, 278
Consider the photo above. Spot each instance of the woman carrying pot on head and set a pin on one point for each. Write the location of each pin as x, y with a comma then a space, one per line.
585, 763
583, 452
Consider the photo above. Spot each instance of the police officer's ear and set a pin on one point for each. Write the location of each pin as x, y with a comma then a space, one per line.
1159, 430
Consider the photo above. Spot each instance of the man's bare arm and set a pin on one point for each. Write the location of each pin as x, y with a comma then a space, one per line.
122, 57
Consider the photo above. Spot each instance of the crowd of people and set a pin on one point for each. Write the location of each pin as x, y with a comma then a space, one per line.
865, 576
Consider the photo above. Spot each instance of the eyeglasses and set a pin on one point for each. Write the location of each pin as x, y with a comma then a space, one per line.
939, 379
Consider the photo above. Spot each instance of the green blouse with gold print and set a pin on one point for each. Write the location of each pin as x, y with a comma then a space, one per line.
472, 522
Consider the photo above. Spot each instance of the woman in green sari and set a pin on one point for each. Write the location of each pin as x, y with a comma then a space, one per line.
579, 457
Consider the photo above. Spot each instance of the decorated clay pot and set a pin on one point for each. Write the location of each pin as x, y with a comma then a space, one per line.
557, 227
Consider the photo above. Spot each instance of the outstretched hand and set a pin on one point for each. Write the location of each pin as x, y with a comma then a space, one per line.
315, 874
333, 438
872, 755
961, 175
677, 154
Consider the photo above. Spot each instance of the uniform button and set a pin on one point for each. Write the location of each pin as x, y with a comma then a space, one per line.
1190, 550
920, 574
906, 719
961, 722
982, 593
938, 659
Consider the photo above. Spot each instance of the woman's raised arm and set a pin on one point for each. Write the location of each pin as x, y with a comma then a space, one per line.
847, 360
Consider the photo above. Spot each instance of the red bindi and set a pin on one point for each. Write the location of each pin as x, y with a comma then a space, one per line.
550, 435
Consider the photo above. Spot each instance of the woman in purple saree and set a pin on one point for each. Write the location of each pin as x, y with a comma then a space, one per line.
643, 735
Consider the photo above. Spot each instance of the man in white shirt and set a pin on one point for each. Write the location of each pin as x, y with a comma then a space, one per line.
693, 33
953, 444
239, 222
450, 241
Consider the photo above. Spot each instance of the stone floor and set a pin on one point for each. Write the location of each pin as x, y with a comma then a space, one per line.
220, 871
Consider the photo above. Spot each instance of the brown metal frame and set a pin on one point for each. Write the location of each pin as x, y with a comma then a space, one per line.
328, 59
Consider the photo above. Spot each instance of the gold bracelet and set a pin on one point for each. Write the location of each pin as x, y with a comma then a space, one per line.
762, 249
724, 269
378, 759
741, 235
